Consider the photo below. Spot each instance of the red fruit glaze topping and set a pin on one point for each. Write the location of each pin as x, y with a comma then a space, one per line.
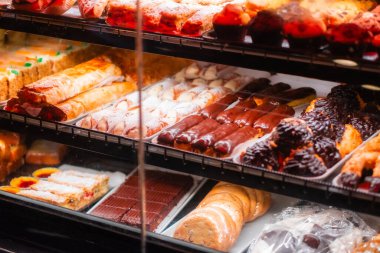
232, 14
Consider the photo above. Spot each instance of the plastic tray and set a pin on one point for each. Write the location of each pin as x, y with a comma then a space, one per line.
198, 183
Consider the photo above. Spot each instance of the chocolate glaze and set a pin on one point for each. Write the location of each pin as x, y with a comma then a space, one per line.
349, 179
326, 149
365, 124
304, 162
290, 133
261, 155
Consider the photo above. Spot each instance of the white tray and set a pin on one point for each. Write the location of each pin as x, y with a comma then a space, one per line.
251, 230
336, 180
198, 182
330, 171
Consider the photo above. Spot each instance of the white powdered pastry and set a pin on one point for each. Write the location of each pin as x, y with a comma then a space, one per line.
59, 189
44, 196
87, 175
87, 184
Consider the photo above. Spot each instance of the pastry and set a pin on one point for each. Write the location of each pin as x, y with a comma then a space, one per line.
184, 139
249, 117
267, 122
253, 87
371, 246
92, 8
168, 136
266, 28
217, 221
227, 144
229, 115
301, 28
270, 92
297, 97
44, 152
86, 102
231, 23
12, 151
207, 141
200, 21
214, 109
261, 155
68, 83
289, 134
350, 139
347, 39
367, 158
304, 162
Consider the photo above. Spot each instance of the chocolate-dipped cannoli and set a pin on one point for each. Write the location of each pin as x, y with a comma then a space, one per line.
167, 136
253, 87
297, 96
228, 116
208, 140
214, 109
226, 145
261, 96
269, 121
184, 139
249, 117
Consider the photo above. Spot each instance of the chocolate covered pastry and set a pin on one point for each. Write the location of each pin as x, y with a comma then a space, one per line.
291, 134
327, 150
304, 162
228, 116
249, 117
214, 109
267, 122
262, 155
168, 136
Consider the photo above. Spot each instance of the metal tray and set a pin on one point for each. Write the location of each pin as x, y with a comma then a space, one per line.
198, 183
336, 180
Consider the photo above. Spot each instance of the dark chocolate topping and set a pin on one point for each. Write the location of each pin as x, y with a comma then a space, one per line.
304, 162
326, 149
291, 133
261, 155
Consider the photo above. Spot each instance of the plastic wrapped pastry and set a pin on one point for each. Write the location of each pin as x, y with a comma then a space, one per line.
44, 152
312, 229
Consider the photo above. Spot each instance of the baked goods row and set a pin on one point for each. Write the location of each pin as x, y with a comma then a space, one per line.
249, 114
327, 131
74, 91
345, 25
168, 101
229, 216
348, 27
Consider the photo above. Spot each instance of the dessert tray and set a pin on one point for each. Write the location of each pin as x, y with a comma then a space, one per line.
198, 182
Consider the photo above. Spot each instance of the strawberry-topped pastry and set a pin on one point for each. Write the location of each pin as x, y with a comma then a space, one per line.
232, 23
376, 43
301, 28
347, 39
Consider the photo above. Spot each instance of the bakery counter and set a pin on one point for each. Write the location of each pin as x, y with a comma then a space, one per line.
284, 60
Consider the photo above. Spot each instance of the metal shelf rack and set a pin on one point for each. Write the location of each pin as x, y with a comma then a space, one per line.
126, 149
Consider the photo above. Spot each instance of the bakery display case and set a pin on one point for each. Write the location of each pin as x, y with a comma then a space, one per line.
260, 133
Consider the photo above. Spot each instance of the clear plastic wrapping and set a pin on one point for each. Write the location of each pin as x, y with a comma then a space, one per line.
312, 229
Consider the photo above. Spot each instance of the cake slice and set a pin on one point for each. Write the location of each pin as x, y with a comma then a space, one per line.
76, 195
93, 187
47, 197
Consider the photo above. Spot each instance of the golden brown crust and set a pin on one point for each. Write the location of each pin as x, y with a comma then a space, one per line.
350, 140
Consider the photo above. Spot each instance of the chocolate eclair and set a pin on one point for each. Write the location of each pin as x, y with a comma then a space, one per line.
326, 149
304, 162
290, 133
261, 155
